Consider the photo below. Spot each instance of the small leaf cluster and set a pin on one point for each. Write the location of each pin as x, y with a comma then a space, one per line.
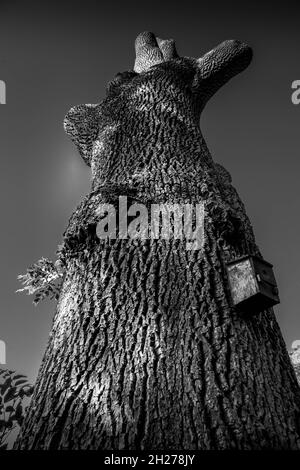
42, 279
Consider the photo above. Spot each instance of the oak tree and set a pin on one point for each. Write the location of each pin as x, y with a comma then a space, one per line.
146, 349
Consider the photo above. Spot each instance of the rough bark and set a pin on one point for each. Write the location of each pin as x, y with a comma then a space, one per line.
146, 350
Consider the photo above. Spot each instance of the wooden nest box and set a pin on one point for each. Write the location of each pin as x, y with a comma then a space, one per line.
252, 284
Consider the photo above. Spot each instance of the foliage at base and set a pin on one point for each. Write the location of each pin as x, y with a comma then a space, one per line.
14, 388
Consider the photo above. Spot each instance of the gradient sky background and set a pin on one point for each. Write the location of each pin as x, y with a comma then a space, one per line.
56, 55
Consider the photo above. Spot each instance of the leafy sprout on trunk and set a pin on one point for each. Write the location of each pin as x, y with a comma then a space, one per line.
42, 279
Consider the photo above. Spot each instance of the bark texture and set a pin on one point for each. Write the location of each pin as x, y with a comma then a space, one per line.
146, 351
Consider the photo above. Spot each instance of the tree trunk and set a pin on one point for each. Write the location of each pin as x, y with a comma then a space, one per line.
146, 349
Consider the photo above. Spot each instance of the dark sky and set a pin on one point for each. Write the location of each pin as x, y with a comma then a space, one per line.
56, 55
